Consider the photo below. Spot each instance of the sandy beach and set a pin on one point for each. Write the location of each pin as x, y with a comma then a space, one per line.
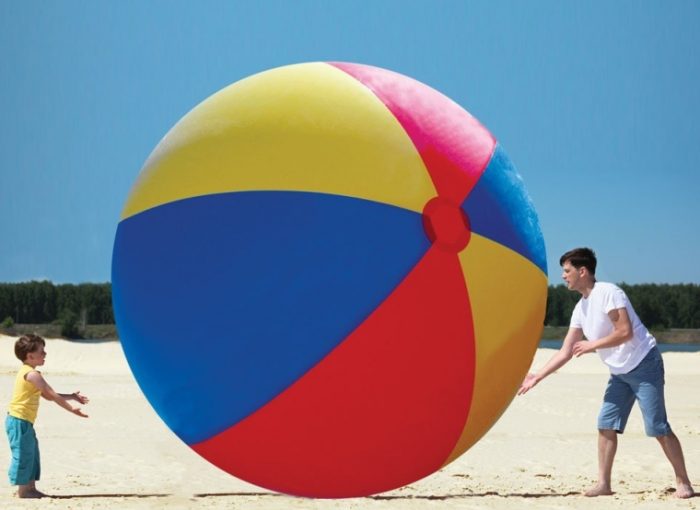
541, 453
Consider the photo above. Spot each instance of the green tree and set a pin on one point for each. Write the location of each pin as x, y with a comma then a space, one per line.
68, 320
560, 304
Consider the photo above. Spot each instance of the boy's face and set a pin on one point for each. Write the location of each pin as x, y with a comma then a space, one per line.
37, 357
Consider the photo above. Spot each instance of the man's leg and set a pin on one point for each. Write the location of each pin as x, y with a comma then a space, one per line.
672, 448
648, 385
607, 447
617, 404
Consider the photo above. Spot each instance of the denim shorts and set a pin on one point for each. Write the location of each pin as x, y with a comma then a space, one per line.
25, 464
645, 384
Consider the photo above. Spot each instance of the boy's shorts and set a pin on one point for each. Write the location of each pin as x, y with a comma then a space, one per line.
25, 466
645, 383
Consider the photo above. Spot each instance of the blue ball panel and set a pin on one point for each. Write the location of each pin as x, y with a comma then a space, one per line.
500, 209
223, 301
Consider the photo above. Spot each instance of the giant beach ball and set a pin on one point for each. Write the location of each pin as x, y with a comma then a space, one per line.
329, 280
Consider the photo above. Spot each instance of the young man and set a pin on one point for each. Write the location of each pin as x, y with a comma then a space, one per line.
611, 327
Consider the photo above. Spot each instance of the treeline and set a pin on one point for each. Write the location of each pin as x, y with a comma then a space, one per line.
44, 302
659, 306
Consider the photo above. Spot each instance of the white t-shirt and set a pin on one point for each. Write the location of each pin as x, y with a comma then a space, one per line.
591, 315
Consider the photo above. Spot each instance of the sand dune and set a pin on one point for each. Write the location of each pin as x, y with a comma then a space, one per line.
540, 454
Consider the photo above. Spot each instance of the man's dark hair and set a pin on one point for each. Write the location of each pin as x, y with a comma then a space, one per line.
580, 257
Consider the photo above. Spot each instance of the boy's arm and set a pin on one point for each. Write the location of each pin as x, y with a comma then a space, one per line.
560, 358
48, 393
75, 396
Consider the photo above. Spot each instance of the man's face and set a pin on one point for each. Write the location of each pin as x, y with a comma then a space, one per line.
571, 275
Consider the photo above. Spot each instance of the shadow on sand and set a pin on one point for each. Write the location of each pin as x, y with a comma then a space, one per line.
379, 497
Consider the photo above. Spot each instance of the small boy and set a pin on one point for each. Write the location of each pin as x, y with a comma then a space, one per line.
29, 385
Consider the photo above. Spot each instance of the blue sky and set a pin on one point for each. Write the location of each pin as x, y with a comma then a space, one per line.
597, 103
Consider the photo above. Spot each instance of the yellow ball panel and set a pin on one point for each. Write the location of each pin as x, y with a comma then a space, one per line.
508, 300
306, 127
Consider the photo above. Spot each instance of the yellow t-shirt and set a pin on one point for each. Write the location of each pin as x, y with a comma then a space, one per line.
25, 399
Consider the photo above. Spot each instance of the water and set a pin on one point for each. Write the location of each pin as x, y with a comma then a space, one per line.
556, 344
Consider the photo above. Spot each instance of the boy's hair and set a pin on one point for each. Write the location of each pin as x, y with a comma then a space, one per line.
26, 344
580, 257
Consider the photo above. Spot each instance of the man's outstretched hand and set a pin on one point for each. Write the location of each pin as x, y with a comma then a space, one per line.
530, 382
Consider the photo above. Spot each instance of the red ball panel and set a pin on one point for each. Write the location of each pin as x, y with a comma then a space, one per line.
384, 409
454, 146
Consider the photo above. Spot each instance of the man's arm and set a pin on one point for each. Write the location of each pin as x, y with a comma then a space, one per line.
560, 358
622, 332
48, 393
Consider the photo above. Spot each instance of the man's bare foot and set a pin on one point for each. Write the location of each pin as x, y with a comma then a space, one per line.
684, 491
598, 490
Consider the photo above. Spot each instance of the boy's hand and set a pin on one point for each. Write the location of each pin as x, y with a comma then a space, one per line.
79, 412
80, 398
